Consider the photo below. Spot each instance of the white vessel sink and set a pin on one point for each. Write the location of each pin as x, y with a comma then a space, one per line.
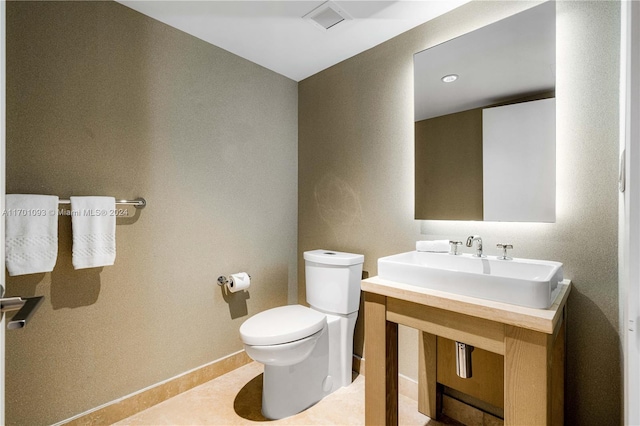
523, 282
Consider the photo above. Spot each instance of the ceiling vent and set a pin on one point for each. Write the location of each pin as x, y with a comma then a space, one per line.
326, 16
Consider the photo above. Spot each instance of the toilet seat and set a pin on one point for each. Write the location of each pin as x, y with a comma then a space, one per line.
280, 325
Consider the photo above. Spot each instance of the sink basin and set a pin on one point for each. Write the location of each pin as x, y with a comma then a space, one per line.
523, 282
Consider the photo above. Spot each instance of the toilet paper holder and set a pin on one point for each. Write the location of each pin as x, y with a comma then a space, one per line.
222, 280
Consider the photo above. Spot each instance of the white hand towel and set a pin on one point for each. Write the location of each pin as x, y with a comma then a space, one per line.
31, 242
436, 246
93, 224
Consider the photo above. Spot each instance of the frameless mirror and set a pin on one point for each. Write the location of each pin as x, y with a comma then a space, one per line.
485, 123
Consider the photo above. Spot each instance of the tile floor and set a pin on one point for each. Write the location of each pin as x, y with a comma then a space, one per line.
235, 399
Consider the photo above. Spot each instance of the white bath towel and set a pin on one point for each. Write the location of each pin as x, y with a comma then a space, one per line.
31, 242
436, 246
93, 224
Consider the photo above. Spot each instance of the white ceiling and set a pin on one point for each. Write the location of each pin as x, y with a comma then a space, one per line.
274, 35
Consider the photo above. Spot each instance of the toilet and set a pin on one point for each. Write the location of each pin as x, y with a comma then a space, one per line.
307, 352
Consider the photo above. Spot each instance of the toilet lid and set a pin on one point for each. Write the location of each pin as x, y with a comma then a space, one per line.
281, 325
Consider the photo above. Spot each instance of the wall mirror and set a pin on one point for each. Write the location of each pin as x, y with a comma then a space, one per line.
485, 122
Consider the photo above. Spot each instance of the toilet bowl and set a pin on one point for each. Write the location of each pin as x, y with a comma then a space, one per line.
282, 336
285, 353
307, 352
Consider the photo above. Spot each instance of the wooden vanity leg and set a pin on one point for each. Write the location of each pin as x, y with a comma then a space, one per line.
381, 363
427, 380
527, 377
558, 371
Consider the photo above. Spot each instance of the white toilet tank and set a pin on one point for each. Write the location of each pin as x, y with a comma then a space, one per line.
333, 280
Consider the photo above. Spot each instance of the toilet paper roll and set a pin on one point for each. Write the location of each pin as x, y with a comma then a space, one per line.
238, 282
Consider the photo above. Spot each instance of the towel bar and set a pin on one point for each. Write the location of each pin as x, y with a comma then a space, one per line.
138, 203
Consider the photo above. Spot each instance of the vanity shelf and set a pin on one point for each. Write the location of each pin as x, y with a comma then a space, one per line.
532, 342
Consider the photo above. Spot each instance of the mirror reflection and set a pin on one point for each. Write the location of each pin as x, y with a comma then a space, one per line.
485, 123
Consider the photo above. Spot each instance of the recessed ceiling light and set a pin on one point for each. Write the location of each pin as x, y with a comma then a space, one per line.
450, 78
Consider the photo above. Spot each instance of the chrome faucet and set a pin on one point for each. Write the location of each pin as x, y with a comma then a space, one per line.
470, 241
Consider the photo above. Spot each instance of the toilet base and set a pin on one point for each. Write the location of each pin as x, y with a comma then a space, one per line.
291, 389
341, 328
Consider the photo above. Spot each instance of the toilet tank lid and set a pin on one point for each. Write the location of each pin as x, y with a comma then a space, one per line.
281, 325
330, 257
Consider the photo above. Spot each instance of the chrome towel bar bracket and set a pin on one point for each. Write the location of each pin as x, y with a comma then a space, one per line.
25, 306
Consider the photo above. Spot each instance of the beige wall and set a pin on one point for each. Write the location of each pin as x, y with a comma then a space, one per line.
103, 100
356, 174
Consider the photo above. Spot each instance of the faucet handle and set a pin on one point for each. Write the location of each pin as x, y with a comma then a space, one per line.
504, 248
454, 247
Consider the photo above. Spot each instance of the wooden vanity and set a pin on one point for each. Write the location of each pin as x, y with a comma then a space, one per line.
532, 342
